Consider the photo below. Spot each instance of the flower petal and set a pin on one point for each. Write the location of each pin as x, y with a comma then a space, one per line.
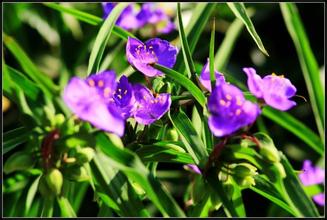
319, 199
254, 81
165, 52
205, 77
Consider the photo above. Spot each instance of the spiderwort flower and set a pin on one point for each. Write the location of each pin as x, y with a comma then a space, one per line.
275, 90
194, 168
229, 111
149, 108
151, 14
127, 19
205, 77
313, 175
142, 55
96, 100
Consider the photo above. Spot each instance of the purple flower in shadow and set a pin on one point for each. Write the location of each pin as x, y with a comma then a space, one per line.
229, 111
275, 90
147, 107
99, 100
127, 19
143, 55
194, 168
313, 175
205, 77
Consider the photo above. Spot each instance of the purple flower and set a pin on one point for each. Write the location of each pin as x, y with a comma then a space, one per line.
127, 19
151, 14
229, 111
275, 90
99, 100
313, 175
194, 168
205, 77
142, 55
147, 107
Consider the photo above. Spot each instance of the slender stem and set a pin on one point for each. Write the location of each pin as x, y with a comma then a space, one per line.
215, 155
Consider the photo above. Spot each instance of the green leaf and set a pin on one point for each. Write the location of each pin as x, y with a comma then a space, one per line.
185, 47
295, 126
66, 208
103, 38
298, 199
88, 18
185, 82
30, 89
224, 52
211, 56
239, 10
237, 200
268, 190
130, 164
15, 137
308, 62
43, 81
31, 194
164, 152
190, 137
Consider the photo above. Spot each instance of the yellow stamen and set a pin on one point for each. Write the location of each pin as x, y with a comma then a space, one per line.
238, 112
238, 101
91, 82
222, 102
100, 83
119, 96
156, 101
119, 90
125, 92
228, 97
144, 97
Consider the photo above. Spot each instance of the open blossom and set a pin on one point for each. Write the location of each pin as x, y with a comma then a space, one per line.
91, 100
149, 108
151, 14
229, 111
205, 77
143, 55
127, 19
313, 175
275, 90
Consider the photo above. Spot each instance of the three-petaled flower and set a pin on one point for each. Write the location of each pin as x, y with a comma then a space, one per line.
143, 55
274, 90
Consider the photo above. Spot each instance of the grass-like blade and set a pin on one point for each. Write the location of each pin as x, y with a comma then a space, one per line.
299, 199
131, 165
30, 89
295, 126
88, 18
308, 62
103, 37
267, 190
31, 194
225, 50
211, 56
185, 47
189, 136
15, 137
185, 82
43, 81
240, 12
66, 208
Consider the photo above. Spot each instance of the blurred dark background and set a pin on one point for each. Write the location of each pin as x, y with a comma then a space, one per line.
60, 45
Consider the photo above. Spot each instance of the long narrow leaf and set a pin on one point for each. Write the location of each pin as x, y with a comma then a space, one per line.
185, 82
65, 207
239, 10
15, 137
103, 37
308, 62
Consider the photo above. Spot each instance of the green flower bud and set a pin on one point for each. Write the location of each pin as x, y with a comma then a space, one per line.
77, 173
245, 182
43, 187
54, 180
172, 135
280, 169
18, 161
275, 171
270, 153
59, 119
245, 169
85, 155
222, 176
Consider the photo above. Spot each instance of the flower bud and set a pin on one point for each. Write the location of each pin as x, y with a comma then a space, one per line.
54, 180
43, 187
18, 161
85, 155
245, 169
172, 135
275, 171
270, 153
245, 182
59, 119
77, 173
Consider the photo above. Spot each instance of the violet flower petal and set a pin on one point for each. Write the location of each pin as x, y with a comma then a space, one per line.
205, 77
255, 83
319, 199
311, 175
194, 168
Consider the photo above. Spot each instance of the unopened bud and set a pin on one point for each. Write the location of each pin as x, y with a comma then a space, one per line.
275, 171
245, 182
54, 180
77, 173
43, 187
172, 135
59, 119
270, 153
85, 155
245, 169
18, 161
